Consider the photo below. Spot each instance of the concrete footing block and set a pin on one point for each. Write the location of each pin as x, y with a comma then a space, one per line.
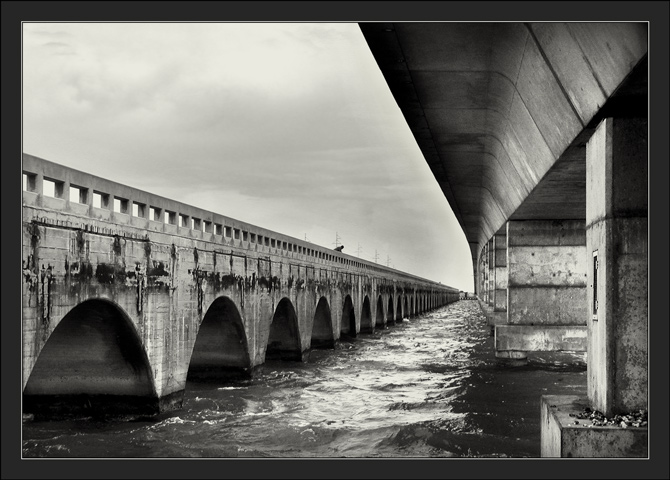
541, 338
564, 436
513, 358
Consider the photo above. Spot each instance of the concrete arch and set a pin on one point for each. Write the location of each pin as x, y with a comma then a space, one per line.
390, 315
322, 328
93, 363
221, 348
398, 310
366, 316
379, 317
348, 323
284, 338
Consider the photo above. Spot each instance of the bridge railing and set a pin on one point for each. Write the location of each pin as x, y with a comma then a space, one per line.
56, 187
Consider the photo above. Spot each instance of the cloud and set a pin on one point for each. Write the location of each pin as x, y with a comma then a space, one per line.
45, 33
56, 45
288, 126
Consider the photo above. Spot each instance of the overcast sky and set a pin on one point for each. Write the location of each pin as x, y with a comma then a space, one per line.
287, 126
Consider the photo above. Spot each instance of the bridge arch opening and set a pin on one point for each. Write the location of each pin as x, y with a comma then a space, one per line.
406, 308
398, 310
366, 316
390, 316
348, 324
379, 317
93, 364
322, 330
284, 339
221, 350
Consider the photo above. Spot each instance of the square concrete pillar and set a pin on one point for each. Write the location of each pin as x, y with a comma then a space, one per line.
546, 263
487, 272
475, 266
546, 287
484, 274
500, 263
616, 235
492, 269
497, 313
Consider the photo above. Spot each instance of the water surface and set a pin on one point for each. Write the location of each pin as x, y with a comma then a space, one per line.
427, 387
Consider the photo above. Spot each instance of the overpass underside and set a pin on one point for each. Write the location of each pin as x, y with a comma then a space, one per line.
537, 135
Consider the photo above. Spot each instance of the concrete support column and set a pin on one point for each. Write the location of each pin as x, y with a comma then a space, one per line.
617, 305
500, 262
492, 272
546, 289
485, 254
483, 273
498, 314
475, 267
616, 235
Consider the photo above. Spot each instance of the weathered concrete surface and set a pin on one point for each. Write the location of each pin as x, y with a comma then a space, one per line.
496, 318
513, 358
501, 273
493, 318
122, 305
482, 275
617, 233
566, 436
544, 338
546, 306
492, 273
546, 265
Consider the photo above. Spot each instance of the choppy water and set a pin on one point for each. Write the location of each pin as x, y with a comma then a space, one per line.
428, 387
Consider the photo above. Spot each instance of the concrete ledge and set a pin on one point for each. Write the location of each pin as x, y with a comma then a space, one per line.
541, 338
560, 436
513, 358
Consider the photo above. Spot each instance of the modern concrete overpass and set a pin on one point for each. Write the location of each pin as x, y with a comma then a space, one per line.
125, 294
537, 135
502, 111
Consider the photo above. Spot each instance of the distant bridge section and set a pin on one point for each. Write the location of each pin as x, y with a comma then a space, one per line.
126, 294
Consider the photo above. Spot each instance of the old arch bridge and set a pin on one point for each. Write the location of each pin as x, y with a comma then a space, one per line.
126, 294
